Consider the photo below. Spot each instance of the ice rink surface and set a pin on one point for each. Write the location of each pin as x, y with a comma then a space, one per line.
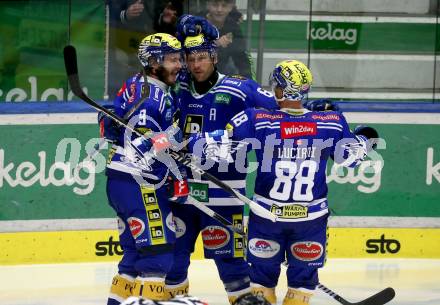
417, 282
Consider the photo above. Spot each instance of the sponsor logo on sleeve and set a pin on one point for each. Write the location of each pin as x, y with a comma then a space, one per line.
121, 91
215, 237
132, 93
297, 129
268, 116
137, 226
263, 248
307, 250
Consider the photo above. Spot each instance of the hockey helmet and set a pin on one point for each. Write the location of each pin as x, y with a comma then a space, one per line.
156, 46
199, 43
293, 77
251, 299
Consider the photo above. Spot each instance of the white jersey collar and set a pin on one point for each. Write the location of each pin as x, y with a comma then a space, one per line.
197, 95
295, 111
156, 82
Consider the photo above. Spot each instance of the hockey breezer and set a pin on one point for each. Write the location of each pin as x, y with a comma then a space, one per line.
70, 62
208, 211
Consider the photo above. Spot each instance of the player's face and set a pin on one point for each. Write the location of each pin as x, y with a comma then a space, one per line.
201, 65
278, 92
219, 10
172, 63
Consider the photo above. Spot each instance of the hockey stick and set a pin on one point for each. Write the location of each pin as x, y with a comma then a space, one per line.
205, 209
70, 62
380, 298
145, 92
187, 162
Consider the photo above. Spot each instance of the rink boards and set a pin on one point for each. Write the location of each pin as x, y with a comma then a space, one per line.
50, 212
103, 245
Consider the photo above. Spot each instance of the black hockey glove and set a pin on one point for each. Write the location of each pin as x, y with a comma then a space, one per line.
370, 133
321, 105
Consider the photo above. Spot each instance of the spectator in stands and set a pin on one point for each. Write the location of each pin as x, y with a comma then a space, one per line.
130, 21
232, 55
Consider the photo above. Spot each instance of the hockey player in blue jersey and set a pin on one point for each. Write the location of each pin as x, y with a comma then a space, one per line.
291, 181
207, 101
137, 188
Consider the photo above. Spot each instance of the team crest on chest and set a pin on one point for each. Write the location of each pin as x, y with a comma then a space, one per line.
193, 124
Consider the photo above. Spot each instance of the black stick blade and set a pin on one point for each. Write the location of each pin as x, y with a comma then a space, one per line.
70, 60
380, 298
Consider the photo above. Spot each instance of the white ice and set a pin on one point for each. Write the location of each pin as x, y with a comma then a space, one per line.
416, 281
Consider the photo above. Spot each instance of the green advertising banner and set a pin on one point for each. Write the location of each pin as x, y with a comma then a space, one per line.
39, 180
333, 36
32, 37
38, 174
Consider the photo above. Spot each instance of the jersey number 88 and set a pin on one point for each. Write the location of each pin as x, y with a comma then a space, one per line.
285, 172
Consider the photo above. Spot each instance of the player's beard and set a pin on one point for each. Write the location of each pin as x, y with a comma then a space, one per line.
166, 76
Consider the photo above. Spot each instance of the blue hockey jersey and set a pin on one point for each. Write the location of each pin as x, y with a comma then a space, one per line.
292, 148
154, 114
201, 113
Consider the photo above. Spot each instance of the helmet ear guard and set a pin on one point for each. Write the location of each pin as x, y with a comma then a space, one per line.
293, 77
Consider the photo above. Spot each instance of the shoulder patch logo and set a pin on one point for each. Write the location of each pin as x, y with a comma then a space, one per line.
326, 117
238, 76
222, 98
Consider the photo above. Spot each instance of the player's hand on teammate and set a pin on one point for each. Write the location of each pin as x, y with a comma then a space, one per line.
370, 133
321, 105
189, 25
108, 129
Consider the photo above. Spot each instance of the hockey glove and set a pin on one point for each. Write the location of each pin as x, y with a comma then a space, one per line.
370, 133
321, 105
108, 129
189, 25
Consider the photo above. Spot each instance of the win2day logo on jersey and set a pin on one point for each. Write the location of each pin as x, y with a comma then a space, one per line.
297, 129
